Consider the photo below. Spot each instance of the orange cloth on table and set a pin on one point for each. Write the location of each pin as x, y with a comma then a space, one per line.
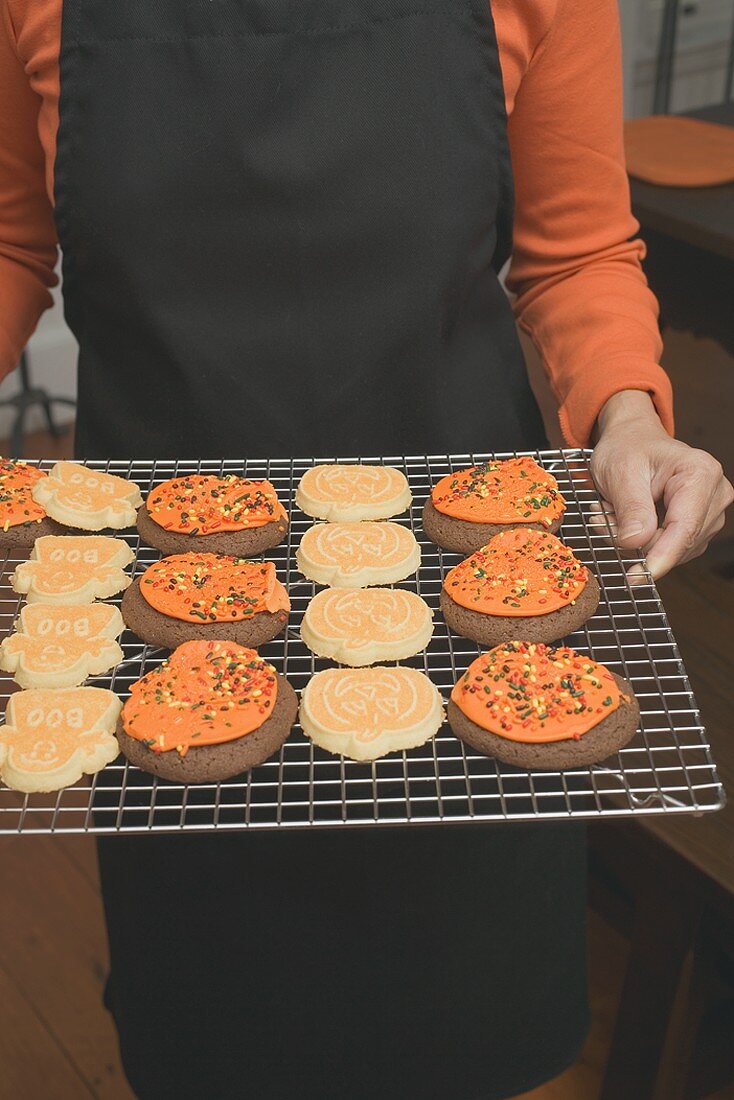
580, 291
679, 152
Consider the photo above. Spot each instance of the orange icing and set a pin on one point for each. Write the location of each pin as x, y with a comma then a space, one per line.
517, 490
206, 693
201, 504
213, 588
519, 572
17, 506
535, 693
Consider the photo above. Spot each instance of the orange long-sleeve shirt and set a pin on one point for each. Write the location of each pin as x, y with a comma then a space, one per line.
580, 291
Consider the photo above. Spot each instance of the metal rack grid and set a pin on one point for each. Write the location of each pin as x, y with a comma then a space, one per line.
667, 768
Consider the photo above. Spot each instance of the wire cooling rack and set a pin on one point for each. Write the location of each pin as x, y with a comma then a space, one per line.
667, 768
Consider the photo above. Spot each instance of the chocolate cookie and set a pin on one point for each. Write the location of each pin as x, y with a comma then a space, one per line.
155, 628
490, 630
246, 543
598, 743
462, 537
214, 763
25, 534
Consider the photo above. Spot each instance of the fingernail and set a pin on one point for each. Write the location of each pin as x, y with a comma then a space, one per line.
631, 532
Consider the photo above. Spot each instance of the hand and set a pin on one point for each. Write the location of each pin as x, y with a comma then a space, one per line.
637, 467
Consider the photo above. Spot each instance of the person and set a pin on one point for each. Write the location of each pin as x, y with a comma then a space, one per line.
282, 226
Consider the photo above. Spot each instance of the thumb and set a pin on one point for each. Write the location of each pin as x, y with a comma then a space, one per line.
630, 494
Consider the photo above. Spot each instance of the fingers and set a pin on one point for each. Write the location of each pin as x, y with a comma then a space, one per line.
629, 493
695, 506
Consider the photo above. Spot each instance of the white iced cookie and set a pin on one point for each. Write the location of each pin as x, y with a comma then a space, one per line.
89, 499
68, 569
352, 493
365, 713
51, 738
58, 646
362, 626
355, 555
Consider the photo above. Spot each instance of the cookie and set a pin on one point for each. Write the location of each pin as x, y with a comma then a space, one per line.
542, 708
218, 515
348, 494
212, 710
58, 646
365, 713
22, 520
189, 597
355, 555
53, 737
87, 499
363, 626
522, 584
467, 508
69, 569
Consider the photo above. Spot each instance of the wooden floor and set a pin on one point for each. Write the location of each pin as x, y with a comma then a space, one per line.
56, 1039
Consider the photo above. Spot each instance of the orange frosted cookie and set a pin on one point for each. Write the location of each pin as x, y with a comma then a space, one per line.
205, 512
365, 713
523, 583
361, 626
467, 508
355, 555
186, 597
22, 519
68, 569
51, 738
77, 496
212, 710
59, 646
539, 707
350, 493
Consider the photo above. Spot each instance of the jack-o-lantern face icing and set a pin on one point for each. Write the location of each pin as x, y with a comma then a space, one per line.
359, 626
89, 499
201, 504
519, 572
206, 693
353, 492
356, 555
74, 569
365, 713
17, 505
212, 588
513, 491
51, 738
61, 645
535, 693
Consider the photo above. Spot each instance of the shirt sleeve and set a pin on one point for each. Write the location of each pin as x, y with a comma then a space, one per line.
27, 232
576, 268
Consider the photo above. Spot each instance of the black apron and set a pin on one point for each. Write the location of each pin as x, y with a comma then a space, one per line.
282, 224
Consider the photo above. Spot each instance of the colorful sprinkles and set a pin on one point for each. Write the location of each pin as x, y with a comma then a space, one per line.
206, 693
519, 572
536, 693
200, 504
516, 490
213, 588
17, 506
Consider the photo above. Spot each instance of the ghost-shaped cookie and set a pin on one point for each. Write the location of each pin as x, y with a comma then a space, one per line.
59, 645
88, 499
52, 737
365, 713
69, 569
